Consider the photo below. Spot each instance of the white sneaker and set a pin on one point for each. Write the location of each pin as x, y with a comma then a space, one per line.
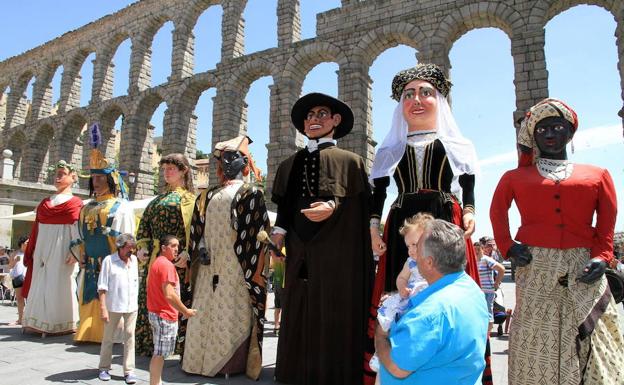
130, 378
104, 376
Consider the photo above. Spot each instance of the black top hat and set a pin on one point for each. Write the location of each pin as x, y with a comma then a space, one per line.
307, 102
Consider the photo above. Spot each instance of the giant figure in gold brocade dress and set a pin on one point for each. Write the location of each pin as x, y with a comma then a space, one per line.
101, 220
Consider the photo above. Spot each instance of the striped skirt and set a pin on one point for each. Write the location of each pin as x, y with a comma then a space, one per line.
563, 331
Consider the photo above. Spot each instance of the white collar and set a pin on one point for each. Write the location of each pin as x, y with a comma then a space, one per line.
117, 259
313, 144
57, 199
234, 182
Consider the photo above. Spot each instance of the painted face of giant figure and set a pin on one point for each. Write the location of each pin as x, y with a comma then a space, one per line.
232, 163
420, 105
100, 184
552, 134
320, 122
64, 178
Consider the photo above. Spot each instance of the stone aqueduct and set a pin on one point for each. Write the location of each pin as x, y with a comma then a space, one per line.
351, 36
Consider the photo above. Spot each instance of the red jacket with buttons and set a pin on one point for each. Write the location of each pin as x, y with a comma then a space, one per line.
557, 214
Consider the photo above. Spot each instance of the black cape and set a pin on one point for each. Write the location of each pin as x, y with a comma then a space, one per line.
329, 271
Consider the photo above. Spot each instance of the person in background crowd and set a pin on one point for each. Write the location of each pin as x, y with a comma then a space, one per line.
4, 257
489, 248
278, 266
620, 265
4, 267
491, 274
17, 273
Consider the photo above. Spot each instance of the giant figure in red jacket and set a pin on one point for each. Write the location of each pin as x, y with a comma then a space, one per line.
565, 327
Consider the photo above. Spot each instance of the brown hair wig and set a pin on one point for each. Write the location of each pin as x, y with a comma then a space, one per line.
182, 164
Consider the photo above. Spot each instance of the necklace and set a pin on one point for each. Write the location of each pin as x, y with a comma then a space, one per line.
418, 133
554, 169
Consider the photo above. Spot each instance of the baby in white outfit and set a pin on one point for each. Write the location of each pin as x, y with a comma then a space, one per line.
409, 281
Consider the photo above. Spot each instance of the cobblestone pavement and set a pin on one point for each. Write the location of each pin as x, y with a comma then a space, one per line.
29, 359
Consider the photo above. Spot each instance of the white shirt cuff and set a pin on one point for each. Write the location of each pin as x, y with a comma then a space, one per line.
278, 230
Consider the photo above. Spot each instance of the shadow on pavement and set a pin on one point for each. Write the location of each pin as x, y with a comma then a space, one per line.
74, 376
89, 348
15, 333
178, 376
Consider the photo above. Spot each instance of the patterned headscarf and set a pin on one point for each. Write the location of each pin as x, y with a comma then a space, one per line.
428, 72
546, 108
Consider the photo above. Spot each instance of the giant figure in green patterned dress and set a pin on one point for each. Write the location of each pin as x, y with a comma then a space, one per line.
169, 213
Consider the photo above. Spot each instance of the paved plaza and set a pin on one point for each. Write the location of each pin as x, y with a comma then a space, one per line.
27, 359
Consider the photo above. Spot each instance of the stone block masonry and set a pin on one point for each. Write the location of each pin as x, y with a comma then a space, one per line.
351, 36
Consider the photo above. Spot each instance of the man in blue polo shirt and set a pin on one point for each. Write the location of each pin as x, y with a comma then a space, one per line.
441, 339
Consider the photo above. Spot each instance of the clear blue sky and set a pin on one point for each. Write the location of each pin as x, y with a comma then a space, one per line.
580, 51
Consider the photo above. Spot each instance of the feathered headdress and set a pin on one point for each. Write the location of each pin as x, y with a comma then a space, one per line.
98, 163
